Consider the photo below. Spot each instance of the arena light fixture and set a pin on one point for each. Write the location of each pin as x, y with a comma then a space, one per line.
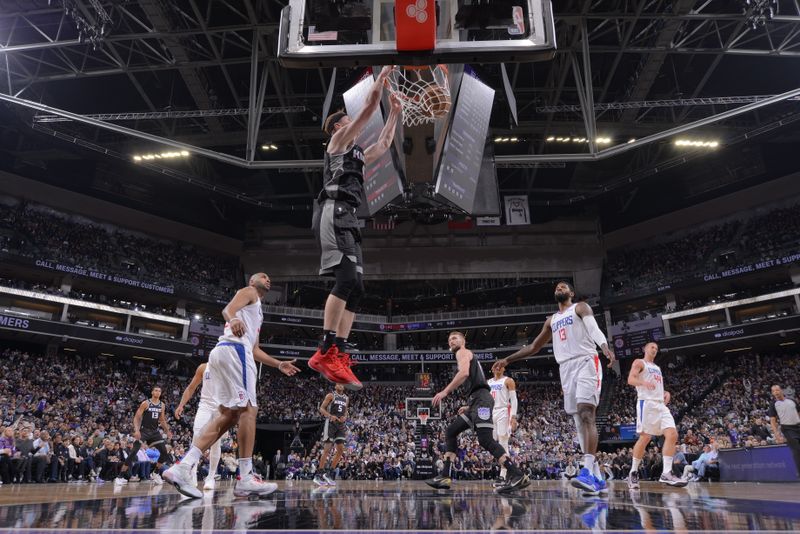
786, 343
143, 358
696, 143
69, 349
738, 350
269, 147
175, 154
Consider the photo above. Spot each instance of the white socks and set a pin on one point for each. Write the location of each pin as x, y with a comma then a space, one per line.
588, 462
667, 465
636, 463
245, 467
192, 457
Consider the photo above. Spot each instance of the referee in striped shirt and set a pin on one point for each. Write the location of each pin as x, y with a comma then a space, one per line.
783, 410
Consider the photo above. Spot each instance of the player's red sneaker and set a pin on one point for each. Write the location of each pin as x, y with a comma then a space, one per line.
325, 362
351, 382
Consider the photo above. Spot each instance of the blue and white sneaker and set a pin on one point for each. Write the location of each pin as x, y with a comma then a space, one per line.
584, 481
600, 486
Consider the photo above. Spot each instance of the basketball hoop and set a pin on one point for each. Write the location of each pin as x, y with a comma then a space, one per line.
424, 92
423, 414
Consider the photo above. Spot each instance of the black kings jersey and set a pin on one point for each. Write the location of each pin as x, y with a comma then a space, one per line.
343, 177
151, 416
476, 379
338, 405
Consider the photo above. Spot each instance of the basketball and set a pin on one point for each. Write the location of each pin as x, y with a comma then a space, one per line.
437, 100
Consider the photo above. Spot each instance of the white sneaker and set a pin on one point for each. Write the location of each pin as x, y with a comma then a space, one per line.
253, 485
156, 478
209, 484
328, 480
119, 481
180, 476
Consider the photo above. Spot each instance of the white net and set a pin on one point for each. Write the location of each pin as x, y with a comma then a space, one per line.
423, 91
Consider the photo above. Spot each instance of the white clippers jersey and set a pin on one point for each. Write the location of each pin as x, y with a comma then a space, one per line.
207, 391
500, 392
570, 337
252, 316
651, 373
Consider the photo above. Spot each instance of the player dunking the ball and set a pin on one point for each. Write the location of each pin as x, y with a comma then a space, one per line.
575, 333
334, 410
652, 416
234, 373
206, 410
336, 227
504, 415
477, 416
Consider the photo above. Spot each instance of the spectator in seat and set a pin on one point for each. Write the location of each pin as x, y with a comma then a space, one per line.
699, 466
7, 452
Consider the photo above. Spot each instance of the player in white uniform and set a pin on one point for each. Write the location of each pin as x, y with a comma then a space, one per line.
504, 415
652, 416
206, 410
574, 332
234, 373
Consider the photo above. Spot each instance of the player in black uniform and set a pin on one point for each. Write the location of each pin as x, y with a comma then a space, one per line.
336, 227
334, 409
148, 418
477, 415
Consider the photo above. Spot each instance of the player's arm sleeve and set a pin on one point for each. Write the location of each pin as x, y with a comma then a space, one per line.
512, 398
594, 331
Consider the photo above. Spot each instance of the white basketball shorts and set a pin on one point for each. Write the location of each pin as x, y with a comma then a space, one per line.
234, 375
653, 417
581, 380
502, 423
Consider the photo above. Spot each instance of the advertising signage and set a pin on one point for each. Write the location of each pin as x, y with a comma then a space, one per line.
279, 351
420, 326
788, 258
88, 333
739, 331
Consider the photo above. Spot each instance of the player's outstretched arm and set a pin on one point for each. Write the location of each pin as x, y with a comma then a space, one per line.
584, 311
541, 340
284, 366
190, 389
162, 421
347, 134
376, 150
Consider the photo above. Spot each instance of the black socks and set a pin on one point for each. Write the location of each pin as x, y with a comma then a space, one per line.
328, 340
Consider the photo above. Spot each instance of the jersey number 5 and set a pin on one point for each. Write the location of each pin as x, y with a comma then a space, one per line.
562, 334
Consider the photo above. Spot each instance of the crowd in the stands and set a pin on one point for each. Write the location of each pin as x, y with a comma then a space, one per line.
709, 249
81, 427
40, 233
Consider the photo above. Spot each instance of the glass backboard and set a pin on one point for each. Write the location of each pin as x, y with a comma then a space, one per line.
352, 33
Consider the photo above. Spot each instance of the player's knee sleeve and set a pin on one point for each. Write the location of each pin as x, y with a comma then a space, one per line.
355, 295
346, 279
486, 441
451, 436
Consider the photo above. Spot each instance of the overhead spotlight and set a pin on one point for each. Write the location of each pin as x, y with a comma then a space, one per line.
269, 147
696, 143
631, 140
551, 138
196, 316
603, 140
161, 155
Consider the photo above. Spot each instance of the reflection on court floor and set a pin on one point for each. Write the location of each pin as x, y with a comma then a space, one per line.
401, 506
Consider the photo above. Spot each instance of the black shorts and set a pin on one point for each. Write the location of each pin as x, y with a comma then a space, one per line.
336, 432
151, 437
479, 414
336, 229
